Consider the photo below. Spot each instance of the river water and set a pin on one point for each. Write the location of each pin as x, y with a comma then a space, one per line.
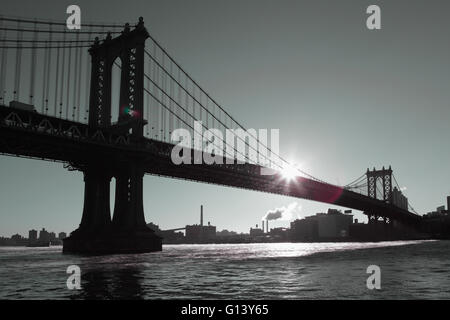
409, 270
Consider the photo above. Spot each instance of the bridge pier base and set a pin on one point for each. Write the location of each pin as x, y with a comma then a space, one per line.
112, 242
128, 232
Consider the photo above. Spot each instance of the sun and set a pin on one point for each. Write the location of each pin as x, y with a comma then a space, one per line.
289, 172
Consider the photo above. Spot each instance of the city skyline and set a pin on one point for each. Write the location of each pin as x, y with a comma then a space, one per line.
408, 105
37, 232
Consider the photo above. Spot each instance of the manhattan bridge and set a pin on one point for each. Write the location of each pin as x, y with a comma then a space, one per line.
105, 100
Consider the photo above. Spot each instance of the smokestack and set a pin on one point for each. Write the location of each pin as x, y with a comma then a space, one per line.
267, 226
201, 215
262, 226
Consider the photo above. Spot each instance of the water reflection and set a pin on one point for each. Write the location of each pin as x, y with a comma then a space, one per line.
235, 271
124, 283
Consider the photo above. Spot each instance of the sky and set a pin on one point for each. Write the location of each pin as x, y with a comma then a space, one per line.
344, 98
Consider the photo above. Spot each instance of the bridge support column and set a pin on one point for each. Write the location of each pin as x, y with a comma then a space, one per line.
129, 208
96, 211
131, 233
128, 232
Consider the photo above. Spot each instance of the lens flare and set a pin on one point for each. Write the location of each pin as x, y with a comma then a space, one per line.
132, 113
289, 172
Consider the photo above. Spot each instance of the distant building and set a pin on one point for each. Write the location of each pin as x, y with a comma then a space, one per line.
200, 233
305, 229
18, 240
440, 209
279, 234
322, 226
398, 199
255, 232
438, 212
171, 236
52, 236
44, 235
437, 223
225, 233
62, 235
6, 241
32, 235
16, 237
334, 224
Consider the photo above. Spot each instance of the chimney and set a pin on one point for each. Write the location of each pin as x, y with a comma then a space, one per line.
262, 226
267, 226
201, 215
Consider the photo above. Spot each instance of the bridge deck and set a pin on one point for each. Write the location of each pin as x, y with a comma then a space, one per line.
29, 134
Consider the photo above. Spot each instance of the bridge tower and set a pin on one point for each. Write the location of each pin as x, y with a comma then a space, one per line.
385, 176
127, 231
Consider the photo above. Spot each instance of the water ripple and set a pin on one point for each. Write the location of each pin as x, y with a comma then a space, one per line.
410, 269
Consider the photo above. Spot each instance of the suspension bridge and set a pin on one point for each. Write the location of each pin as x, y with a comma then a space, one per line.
105, 99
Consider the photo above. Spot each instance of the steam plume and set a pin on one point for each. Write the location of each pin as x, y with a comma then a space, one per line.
283, 213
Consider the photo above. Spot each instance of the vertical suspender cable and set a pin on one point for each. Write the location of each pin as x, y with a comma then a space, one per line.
163, 99
75, 79
86, 93
3, 67
74, 82
179, 98
69, 62
171, 107
63, 68
208, 124
33, 64
157, 106
167, 113
47, 80
186, 112
57, 79
233, 155
79, 83
88, 78
213, 112
186, 98
200, 115
149, 70
18, 63
44, 72
193, 103
193, 113
210, 119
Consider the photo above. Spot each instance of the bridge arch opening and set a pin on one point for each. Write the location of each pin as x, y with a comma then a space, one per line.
115, 89
379, 188
112, 195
